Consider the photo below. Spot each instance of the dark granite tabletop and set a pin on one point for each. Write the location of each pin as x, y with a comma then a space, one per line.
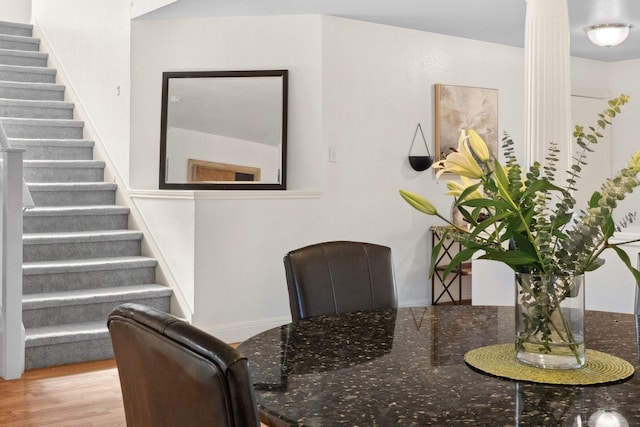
405, 367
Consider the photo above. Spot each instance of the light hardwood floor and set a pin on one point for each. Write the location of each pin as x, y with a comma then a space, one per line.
83, 394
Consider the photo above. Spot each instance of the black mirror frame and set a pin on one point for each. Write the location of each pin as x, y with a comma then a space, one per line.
166, 76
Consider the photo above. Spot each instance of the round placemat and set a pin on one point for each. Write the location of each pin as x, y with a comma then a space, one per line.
499, 360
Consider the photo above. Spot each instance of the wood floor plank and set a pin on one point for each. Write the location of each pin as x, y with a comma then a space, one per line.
77, 395
83, 394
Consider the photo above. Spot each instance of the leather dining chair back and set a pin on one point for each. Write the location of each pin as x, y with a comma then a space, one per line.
339, 277
174, 374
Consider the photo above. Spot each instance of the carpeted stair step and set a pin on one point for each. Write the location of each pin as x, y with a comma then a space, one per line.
16, 29
13, 42
73, 194
29, 90
19, 73
63, 171
80, 245
75, 218
54, 149
43, 128
32, 109
88, 305
80, 258
54, 276
72, 343
21, 57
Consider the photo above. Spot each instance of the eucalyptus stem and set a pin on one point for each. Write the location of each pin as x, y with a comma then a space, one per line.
540, 313
569, 339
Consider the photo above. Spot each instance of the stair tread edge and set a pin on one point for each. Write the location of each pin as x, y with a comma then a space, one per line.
86, 236
71, 332
89, 210
88, 264
14, 52
93, 296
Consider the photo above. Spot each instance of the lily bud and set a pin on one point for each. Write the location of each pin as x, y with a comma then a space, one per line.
418, 202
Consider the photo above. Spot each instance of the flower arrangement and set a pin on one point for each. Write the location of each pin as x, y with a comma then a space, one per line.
526, 220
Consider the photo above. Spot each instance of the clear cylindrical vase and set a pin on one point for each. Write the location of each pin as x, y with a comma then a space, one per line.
550, 320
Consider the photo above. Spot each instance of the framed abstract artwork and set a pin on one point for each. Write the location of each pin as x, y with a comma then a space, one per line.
463, 107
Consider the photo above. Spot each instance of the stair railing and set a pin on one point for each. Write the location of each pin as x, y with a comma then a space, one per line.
15, 198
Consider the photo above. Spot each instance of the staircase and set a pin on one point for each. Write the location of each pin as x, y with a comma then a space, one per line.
80, 258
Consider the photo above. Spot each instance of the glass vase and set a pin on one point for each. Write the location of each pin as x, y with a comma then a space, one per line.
550, 320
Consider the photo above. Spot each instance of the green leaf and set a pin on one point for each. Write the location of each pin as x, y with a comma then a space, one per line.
502, 182
595, 264
459, 258
486, 203
510, 257
466, 215
470, 189
595, 198
541, 185
493, 219
608, 228
524, 244
625, 259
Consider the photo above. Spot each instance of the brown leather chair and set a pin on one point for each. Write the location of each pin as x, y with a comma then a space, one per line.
339, 277
174, 374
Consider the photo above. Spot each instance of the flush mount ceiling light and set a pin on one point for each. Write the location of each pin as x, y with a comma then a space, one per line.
608, 35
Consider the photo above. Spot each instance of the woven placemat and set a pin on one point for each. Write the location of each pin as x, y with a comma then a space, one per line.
499, 360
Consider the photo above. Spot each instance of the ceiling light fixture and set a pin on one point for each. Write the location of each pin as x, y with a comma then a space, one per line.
608, 35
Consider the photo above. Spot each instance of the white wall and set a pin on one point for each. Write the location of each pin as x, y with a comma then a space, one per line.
90, 39
358, 87
177, 243
140, 7
15, 11
623, 78
240, 238
355, 87
377, 84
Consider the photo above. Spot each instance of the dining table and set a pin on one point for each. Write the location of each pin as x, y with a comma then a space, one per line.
406, 367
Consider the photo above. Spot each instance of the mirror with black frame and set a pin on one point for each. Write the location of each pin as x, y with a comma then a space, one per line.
224, 130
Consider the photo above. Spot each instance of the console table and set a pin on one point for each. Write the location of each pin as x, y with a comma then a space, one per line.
449, 249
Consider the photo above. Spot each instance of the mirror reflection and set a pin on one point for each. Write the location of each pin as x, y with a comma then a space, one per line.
224, 130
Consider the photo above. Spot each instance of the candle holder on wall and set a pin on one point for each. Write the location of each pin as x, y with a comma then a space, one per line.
420, 162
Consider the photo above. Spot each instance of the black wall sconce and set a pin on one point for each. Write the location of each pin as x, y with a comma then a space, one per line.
420, 163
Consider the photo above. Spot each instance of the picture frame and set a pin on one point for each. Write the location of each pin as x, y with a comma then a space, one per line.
464, 107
